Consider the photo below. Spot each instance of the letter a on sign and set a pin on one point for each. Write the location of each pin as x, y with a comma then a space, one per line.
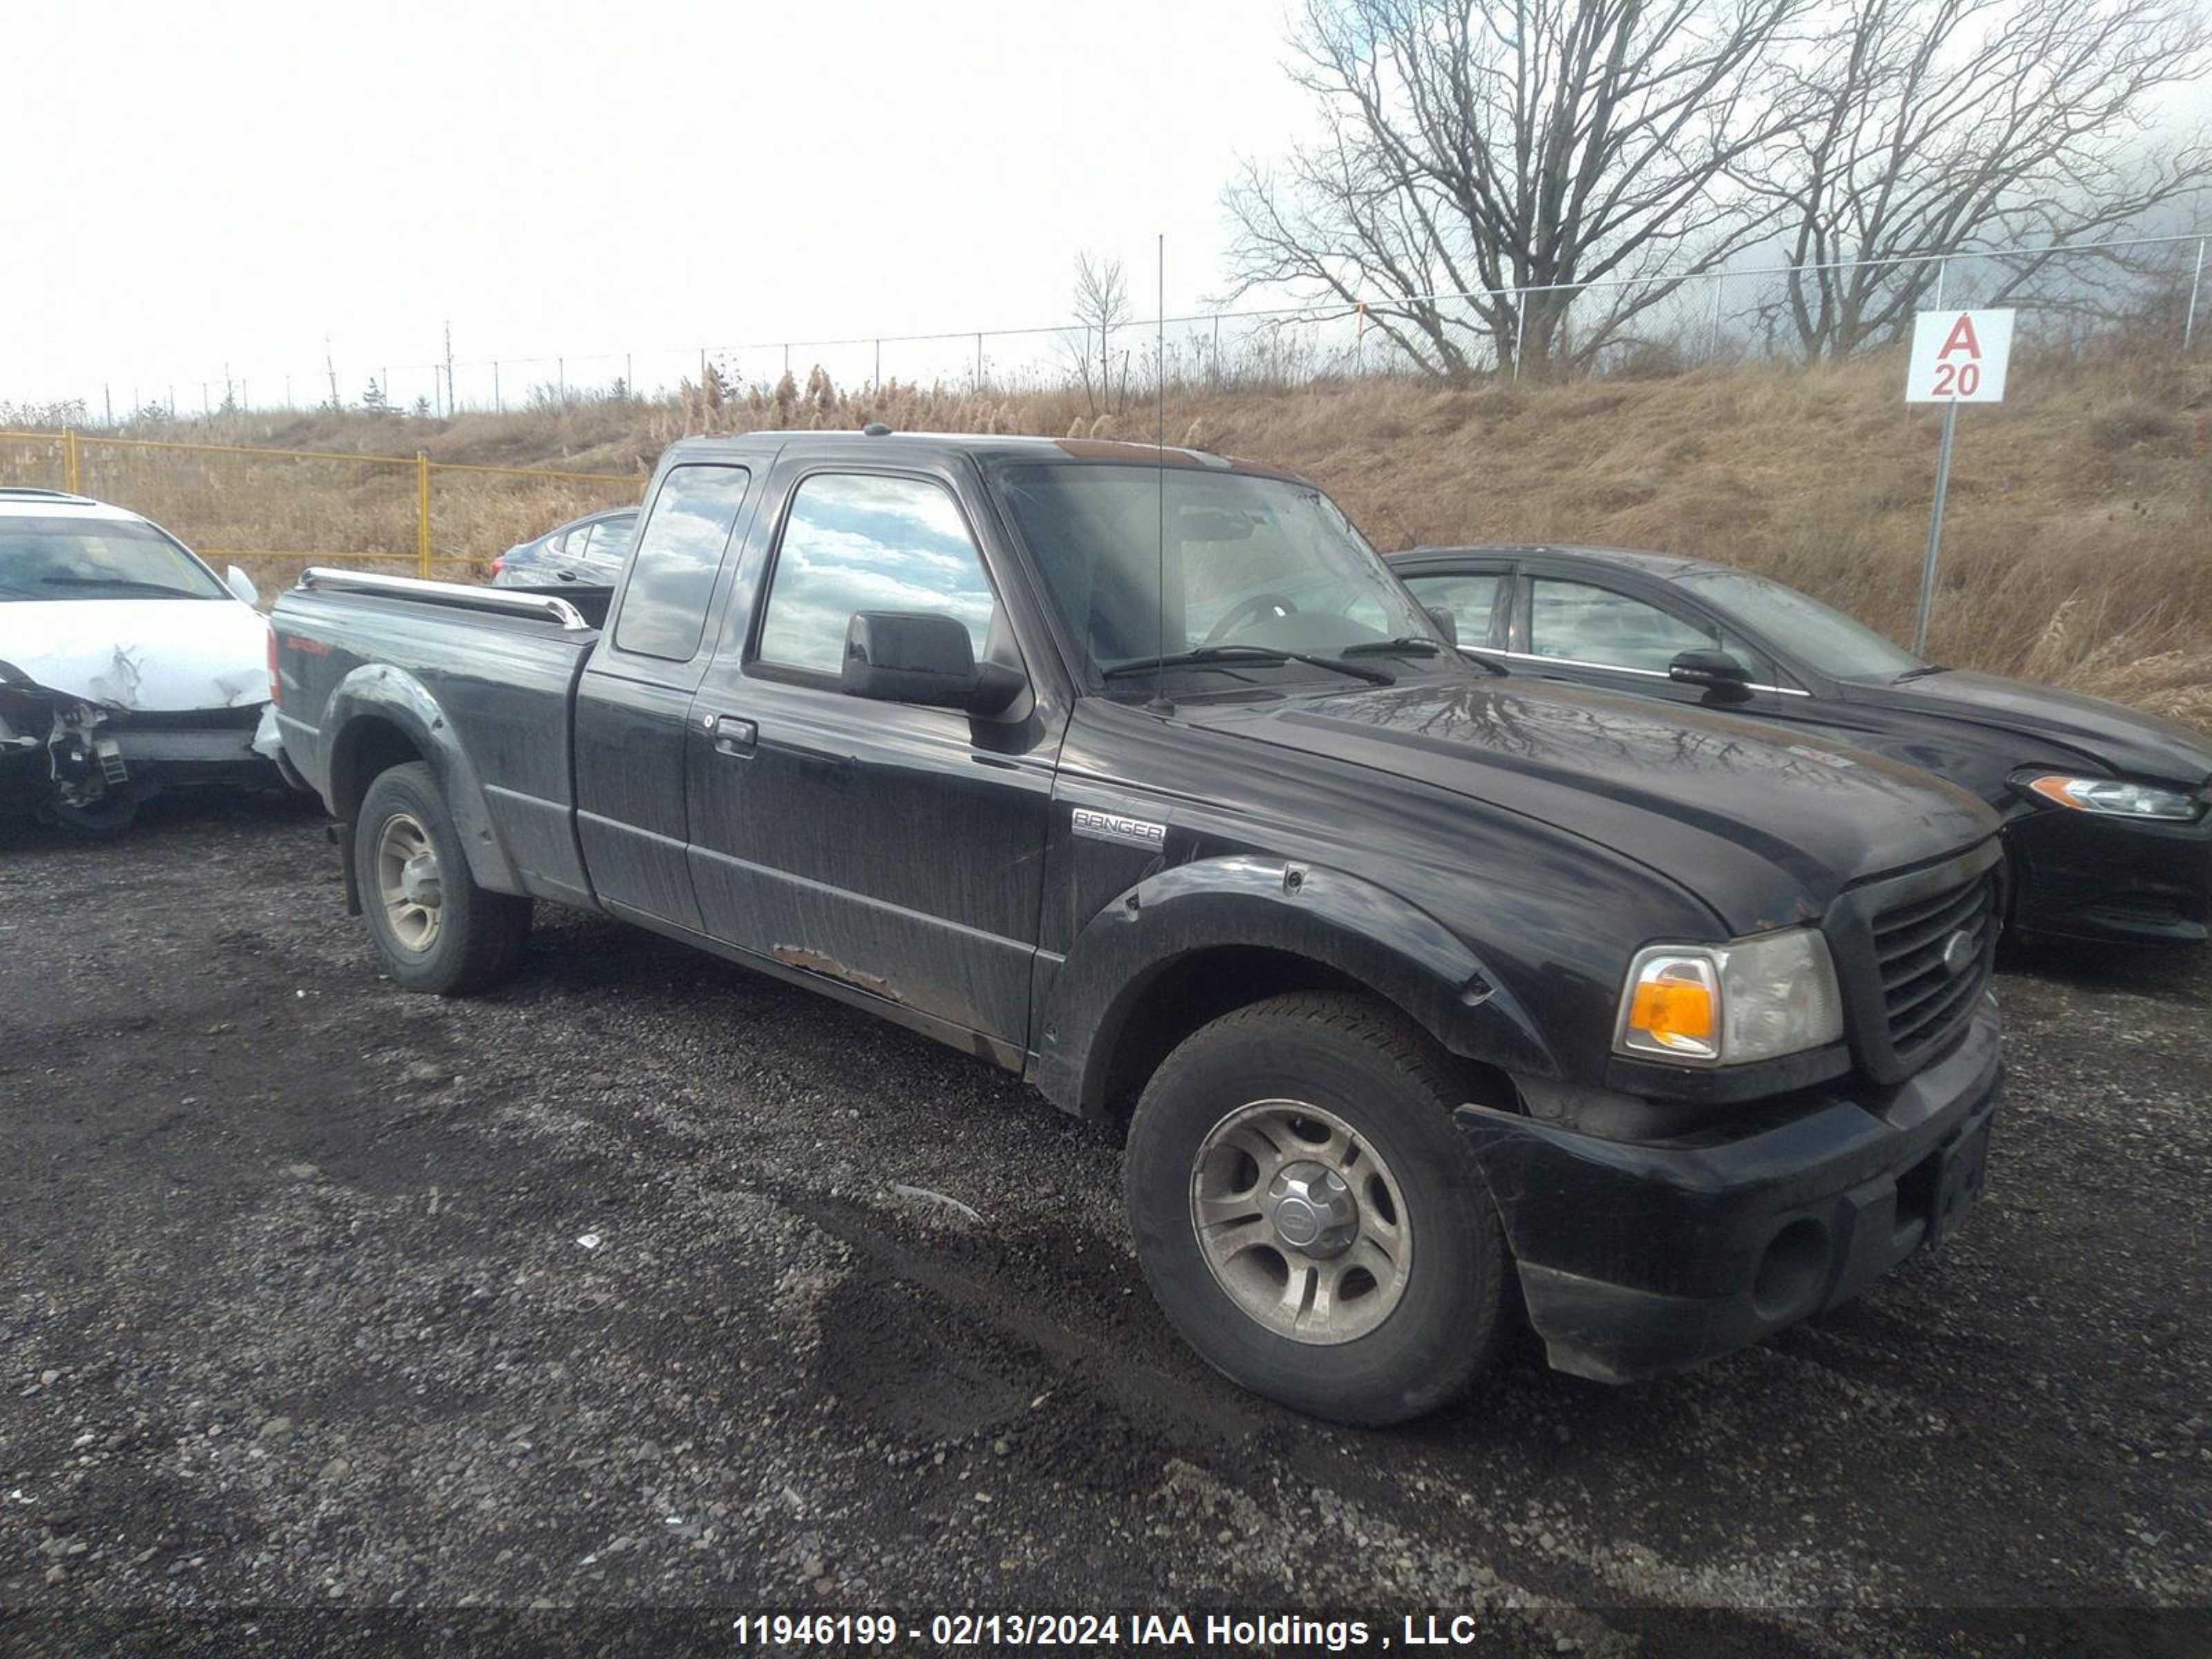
1959, 357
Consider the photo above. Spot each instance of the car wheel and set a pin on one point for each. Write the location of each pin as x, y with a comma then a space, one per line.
435, 929
1307, 1215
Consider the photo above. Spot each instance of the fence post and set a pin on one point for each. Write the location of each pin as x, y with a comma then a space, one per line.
422, 515
1720, 286
1520, 329
70, 477
979, 363
2196, 281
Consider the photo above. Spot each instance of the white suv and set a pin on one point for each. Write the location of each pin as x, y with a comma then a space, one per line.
126, 664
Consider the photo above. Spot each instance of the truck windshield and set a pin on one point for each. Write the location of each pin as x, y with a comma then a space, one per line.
1800, 626
70, 558
1265, 567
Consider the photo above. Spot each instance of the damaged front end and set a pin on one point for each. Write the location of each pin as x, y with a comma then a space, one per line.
57, 756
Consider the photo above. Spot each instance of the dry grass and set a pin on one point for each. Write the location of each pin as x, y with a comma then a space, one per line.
2078, 548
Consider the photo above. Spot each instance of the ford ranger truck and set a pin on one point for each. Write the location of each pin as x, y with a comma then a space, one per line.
1421, 990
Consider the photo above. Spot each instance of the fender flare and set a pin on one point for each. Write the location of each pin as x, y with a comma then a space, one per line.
379, 692
1340, 921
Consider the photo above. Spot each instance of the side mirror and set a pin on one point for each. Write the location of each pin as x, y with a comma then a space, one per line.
1716, 670
1447, 623
923, 657
241, 585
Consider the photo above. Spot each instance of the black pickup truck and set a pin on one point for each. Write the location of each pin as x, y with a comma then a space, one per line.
1422, 989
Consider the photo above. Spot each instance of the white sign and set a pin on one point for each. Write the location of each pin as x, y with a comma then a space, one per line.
1959, 357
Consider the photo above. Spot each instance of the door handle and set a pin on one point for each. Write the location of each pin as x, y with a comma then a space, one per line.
730, 735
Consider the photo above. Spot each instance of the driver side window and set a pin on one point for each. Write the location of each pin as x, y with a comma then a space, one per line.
1470, 597
860, 541
1582, 623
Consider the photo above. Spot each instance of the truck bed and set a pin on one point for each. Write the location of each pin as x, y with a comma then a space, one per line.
470, 678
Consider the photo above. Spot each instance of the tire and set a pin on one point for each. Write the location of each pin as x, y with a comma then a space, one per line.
472, 937
1384, 1083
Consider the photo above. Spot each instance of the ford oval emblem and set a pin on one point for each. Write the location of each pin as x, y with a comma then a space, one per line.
1958, 952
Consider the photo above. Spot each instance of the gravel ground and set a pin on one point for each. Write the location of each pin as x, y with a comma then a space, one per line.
599, 1294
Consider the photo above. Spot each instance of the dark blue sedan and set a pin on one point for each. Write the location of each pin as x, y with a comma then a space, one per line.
588, 551
2106, 808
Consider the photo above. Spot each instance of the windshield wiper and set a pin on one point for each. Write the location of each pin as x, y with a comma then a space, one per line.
120, 581
1921, 672
1230, 656
1414, 644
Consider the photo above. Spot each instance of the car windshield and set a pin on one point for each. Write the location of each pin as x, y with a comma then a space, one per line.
1262, 573
1800, 626
70, 558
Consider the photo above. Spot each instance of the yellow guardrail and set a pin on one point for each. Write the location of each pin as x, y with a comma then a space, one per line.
242, 501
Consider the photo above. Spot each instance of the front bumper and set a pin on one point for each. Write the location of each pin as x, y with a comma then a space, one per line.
128, 754
1637, 1258
2110, 880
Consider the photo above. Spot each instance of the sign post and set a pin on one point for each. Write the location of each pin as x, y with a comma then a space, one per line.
1958, 357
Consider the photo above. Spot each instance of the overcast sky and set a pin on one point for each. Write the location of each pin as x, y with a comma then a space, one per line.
197, 184
191, 186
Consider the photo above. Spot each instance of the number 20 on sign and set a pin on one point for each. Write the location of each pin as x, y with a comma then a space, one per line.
1958, 357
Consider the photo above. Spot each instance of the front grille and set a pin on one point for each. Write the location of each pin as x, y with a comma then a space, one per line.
1925, 1000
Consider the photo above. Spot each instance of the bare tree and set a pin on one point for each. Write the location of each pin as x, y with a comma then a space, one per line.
1102, 302
1928, 126
1504, 154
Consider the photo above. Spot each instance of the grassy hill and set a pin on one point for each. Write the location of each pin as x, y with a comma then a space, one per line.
2077, 549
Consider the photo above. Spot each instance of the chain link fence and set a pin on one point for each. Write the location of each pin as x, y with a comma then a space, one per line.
2154, 289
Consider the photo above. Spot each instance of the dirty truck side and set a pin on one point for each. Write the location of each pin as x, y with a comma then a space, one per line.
1135, 772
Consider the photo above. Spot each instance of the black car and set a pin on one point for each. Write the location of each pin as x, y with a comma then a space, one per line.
588, 551
2105, 807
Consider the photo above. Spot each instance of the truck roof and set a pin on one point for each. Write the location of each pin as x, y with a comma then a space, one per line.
984, 448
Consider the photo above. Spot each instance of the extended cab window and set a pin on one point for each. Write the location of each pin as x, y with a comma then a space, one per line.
862, 542
679, 554
1584, 623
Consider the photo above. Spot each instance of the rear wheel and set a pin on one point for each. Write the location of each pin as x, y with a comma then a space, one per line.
435, 927
1307, 1215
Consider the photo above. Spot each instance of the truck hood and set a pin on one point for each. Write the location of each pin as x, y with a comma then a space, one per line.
152, 655
1765, 826
2118, 739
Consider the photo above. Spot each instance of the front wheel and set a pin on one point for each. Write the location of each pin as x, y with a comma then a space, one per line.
435, 927
103, 819
1307, 1215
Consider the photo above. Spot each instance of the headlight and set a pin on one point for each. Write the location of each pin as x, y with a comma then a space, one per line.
1722, 1005
2114, 796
